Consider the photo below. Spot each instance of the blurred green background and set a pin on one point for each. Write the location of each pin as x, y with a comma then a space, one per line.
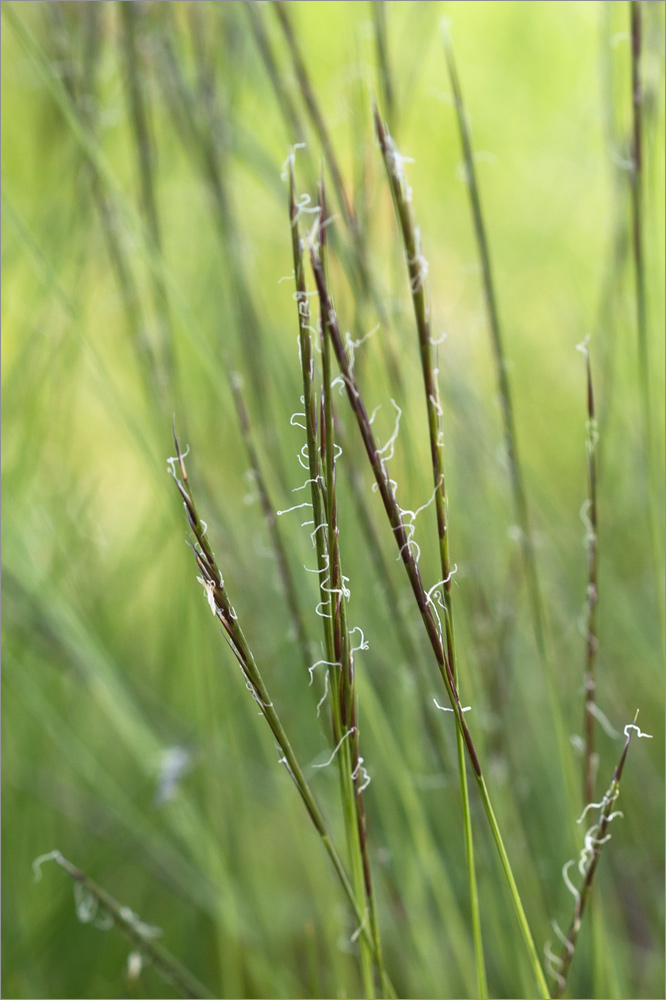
145, 233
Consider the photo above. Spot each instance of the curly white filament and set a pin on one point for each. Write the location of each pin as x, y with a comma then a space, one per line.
360, 770
341, 741
562, 937
363, 644
42, 859
639, 732
319, 663
209, 591
390, 444
567, 881
171, 462
443, 708
297, 506
323, 697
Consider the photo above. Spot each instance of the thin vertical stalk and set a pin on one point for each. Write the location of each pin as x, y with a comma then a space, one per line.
637, 241
339, 655
591, 640
501, 368
307, 373
590, 756
416, 268
340, 670
636, 177
619, 241
520, 503
343, 695
378, 10
345, 725
409, 561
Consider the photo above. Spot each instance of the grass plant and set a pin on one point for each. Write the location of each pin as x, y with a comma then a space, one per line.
219, 214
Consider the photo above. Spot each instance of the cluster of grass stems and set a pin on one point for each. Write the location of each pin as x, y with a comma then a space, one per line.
324, 229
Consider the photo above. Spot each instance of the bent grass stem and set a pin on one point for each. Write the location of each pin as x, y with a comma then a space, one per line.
220, 605
402, 541
416, 269
138, 933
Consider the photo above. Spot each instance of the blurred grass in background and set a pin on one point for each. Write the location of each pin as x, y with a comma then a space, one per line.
145, 235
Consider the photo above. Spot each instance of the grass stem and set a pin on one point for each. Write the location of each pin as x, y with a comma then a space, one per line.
591, 640
213, 583
417, 269
595, 838
519, 494
406, 554
139, 934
